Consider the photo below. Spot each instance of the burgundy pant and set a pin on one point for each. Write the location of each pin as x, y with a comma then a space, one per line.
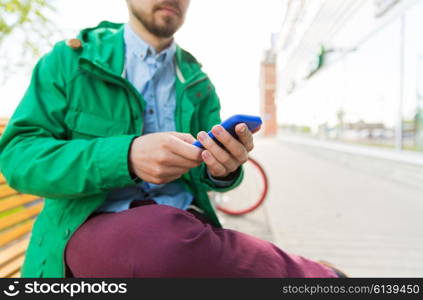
163, 241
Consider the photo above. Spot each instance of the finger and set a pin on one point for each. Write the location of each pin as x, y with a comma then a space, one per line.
156, 174
215, 168
221, 155
183, 136
235, 148
174, 160
177, 146
245, 136
160, 180
165, 171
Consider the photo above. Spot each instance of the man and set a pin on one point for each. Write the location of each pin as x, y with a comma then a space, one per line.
104, 133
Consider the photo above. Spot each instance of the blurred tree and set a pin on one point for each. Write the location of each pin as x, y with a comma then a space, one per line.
25, 31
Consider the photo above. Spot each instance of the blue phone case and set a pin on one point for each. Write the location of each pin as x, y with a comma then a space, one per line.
252, 123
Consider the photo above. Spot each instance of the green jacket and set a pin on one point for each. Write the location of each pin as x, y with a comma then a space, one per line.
69, 138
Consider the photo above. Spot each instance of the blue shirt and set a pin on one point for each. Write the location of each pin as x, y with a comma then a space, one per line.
153, 75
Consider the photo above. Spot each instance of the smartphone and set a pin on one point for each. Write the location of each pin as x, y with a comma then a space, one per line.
252, 122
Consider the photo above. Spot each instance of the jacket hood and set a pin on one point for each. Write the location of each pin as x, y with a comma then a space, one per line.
101, 32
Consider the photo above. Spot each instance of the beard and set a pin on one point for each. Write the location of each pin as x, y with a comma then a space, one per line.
160, 26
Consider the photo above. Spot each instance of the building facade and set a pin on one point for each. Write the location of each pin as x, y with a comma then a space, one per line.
267, 93
352, 70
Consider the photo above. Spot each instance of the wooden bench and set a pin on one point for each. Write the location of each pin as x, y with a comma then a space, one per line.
17, 214
3, 123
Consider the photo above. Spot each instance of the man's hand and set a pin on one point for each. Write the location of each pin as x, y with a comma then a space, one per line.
221, 162
163, 157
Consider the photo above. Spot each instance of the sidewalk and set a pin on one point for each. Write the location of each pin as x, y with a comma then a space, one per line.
405, 156
360, 213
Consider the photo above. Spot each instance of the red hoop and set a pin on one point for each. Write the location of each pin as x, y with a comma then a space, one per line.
258, 203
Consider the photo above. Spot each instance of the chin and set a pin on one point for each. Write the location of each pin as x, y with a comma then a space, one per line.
167, 28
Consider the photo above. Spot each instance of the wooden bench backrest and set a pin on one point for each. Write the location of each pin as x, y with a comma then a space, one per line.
3, 123
17, 214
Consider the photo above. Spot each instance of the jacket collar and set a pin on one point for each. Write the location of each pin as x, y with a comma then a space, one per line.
104, 46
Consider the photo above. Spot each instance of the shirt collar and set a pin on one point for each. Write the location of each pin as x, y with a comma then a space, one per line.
143, 50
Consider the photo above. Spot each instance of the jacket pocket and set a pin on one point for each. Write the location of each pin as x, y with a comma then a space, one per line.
87, 125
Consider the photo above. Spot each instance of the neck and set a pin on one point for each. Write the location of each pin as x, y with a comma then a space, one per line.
158, 43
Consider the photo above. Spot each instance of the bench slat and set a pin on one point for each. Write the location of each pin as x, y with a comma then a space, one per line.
20, 216
13, 251
3, 124
15, 201
12, 267
16, 275
6, 190
15, 232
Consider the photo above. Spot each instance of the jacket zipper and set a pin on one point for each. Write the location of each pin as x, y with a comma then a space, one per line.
189, 184
195, 82
187, 86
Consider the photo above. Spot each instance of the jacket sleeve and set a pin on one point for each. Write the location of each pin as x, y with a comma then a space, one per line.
211, 109
35, 156
220, 182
